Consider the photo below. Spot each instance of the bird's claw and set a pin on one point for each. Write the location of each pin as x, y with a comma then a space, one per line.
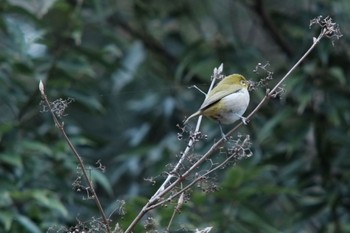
244, 119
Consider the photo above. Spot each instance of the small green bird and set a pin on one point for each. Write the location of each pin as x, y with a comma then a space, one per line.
226, 102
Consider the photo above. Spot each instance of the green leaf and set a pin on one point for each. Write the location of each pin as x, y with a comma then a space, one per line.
6, 127
268, 127
28, 224
35, 7
6, 218
101, 179
77, 67
50, 201
35, 147
12, 159
85, 99
256, 216
338, 74
124, 75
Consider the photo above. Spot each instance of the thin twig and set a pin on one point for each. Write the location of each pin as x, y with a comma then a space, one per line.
163, 190
167, 186
272, 91
177, 209
191, 141
200, 177
76, 154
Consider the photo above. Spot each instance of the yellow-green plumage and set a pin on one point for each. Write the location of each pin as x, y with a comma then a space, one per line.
227, 101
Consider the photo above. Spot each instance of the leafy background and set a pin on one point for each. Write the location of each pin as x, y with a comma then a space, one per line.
128, 65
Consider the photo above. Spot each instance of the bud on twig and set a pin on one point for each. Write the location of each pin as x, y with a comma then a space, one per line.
41, 88
180, 202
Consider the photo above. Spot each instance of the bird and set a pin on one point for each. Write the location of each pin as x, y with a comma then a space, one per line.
226, 102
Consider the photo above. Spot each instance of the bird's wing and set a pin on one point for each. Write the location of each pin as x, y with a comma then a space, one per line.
216, 96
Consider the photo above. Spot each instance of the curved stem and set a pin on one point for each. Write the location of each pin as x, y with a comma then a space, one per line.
273, 90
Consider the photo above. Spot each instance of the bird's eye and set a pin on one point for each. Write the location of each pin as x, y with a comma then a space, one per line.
243, 82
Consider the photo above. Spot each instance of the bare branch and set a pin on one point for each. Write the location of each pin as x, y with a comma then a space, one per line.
238, 150
59, 125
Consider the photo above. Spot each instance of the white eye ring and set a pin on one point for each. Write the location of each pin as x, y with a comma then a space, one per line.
243, 82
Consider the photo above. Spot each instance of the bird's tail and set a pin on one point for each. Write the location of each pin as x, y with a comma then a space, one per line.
193, 115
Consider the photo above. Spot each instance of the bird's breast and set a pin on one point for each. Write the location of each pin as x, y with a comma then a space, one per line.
229, 108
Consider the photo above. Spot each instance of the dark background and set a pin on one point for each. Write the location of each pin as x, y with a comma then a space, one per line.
128, 66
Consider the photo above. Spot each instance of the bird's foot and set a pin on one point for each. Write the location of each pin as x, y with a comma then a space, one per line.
222, 132
224, 137
244, 119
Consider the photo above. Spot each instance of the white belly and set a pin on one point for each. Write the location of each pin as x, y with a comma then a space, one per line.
236, 104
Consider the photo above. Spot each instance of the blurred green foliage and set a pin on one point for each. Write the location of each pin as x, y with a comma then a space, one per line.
127, 65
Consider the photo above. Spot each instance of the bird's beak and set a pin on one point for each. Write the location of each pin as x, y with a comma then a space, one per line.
251, 85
